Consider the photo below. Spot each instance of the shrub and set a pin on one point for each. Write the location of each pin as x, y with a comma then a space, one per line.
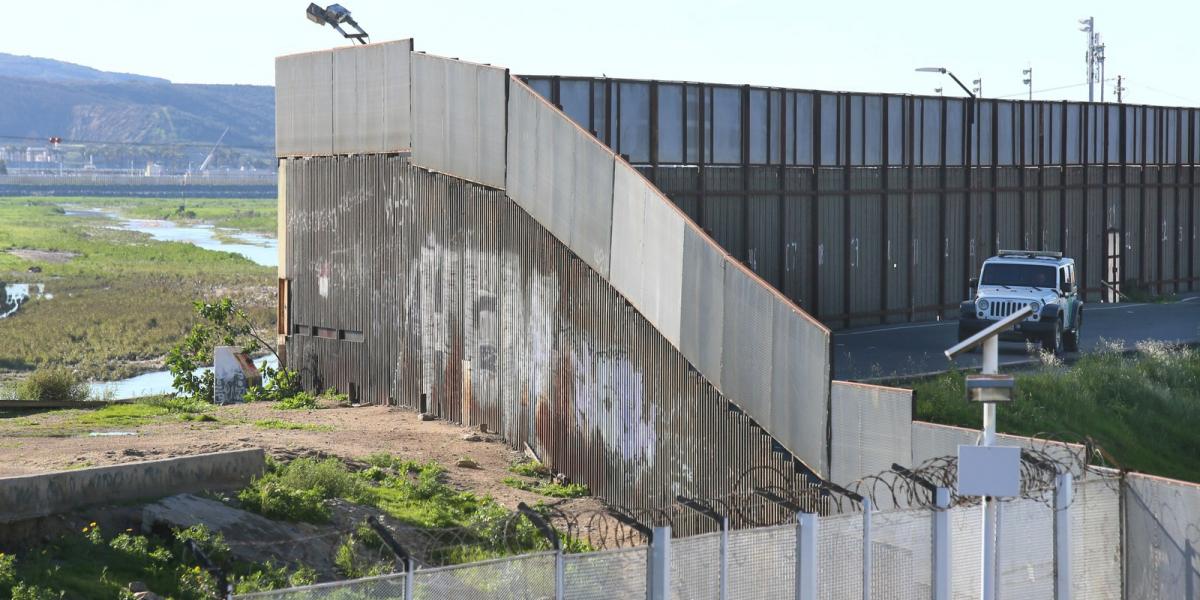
274, 500
23, 591
212, 543
8, 569
530, 468
270, 577
300, 401
53, 384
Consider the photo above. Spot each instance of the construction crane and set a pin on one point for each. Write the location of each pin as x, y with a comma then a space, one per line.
208, 159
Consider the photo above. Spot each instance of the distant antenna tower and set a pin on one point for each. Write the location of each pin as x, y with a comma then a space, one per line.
208, 159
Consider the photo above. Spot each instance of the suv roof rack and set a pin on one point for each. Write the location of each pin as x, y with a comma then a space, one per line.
1031, 254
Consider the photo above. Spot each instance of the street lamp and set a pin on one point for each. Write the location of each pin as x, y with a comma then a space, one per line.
335, 15
978, 89
968, 176
1028, 73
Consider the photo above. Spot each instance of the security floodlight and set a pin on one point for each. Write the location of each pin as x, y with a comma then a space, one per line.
1026, 71
937, 90
335, 15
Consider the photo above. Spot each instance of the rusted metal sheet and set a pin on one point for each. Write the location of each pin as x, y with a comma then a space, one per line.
473, 311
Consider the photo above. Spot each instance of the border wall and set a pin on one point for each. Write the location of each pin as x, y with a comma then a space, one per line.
858, 207
488, 261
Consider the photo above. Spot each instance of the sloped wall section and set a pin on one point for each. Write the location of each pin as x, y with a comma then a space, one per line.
476, 124
475, 312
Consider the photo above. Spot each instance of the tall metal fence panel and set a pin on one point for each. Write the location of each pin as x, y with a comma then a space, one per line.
762, 563
1162, 538
619, 573
902, 555
873, 208
871, 430
695, 567
1096, 539
841, 557
1025, 549
528, 577
966, 531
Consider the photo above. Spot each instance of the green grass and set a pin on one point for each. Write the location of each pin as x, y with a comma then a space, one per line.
81, 421
121, 302
290, 425
246, 214
460, 526
93, 564
1142, 409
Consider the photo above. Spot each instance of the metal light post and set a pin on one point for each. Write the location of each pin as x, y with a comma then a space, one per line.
1087, 26
978, 87
968, 176
1028, 73
988, 388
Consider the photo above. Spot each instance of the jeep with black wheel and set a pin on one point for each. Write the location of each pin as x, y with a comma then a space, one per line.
1044, 281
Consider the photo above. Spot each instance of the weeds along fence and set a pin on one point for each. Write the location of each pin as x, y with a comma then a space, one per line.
1053, 539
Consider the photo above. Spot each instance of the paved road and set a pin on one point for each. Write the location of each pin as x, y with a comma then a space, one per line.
896, 351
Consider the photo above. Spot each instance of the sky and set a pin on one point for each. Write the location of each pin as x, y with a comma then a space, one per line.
830, 45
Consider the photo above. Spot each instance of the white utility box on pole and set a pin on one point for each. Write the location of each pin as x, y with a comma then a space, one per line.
989, 388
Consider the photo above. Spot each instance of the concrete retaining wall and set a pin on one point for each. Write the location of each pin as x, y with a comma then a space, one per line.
31, 496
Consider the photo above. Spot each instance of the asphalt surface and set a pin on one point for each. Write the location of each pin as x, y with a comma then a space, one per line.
909, 349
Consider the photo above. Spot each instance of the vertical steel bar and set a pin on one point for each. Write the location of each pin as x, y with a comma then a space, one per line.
866, 549
806, 556
941, 544
1064, 495
724, 592
659, 569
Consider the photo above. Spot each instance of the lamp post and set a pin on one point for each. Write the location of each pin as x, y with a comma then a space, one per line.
988, 389
335, 15
967, 163
1028, 73
1088, 26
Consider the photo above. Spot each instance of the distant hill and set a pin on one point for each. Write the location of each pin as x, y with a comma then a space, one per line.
46, 69
41, 97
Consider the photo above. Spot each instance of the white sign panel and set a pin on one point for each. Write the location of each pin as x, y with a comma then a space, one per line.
989, 471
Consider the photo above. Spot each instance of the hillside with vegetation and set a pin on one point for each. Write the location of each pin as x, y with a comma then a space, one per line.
40, 98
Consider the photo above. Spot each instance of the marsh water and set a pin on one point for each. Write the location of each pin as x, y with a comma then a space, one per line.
260, 249
150, 384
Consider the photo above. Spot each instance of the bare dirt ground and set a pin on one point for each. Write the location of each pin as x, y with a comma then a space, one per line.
47, 256
37, 442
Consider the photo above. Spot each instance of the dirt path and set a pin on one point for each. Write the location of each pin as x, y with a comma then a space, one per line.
346, 433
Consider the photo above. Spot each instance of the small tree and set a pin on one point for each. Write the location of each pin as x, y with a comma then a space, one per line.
223, 323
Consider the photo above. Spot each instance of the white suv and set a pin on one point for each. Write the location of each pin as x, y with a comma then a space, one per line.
1016, 278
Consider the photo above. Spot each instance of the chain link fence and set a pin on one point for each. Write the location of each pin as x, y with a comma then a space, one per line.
895, 552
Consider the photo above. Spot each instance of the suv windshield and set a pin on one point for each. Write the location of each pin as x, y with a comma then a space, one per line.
1017, 275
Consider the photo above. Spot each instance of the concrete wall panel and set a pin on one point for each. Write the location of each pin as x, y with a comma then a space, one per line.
347, 136
458, 114
561, 175
872, 429
647, 250
749, 343
31, 496
397, 102
1162, 522
930, 440
702, 311
304, 104
800, 374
